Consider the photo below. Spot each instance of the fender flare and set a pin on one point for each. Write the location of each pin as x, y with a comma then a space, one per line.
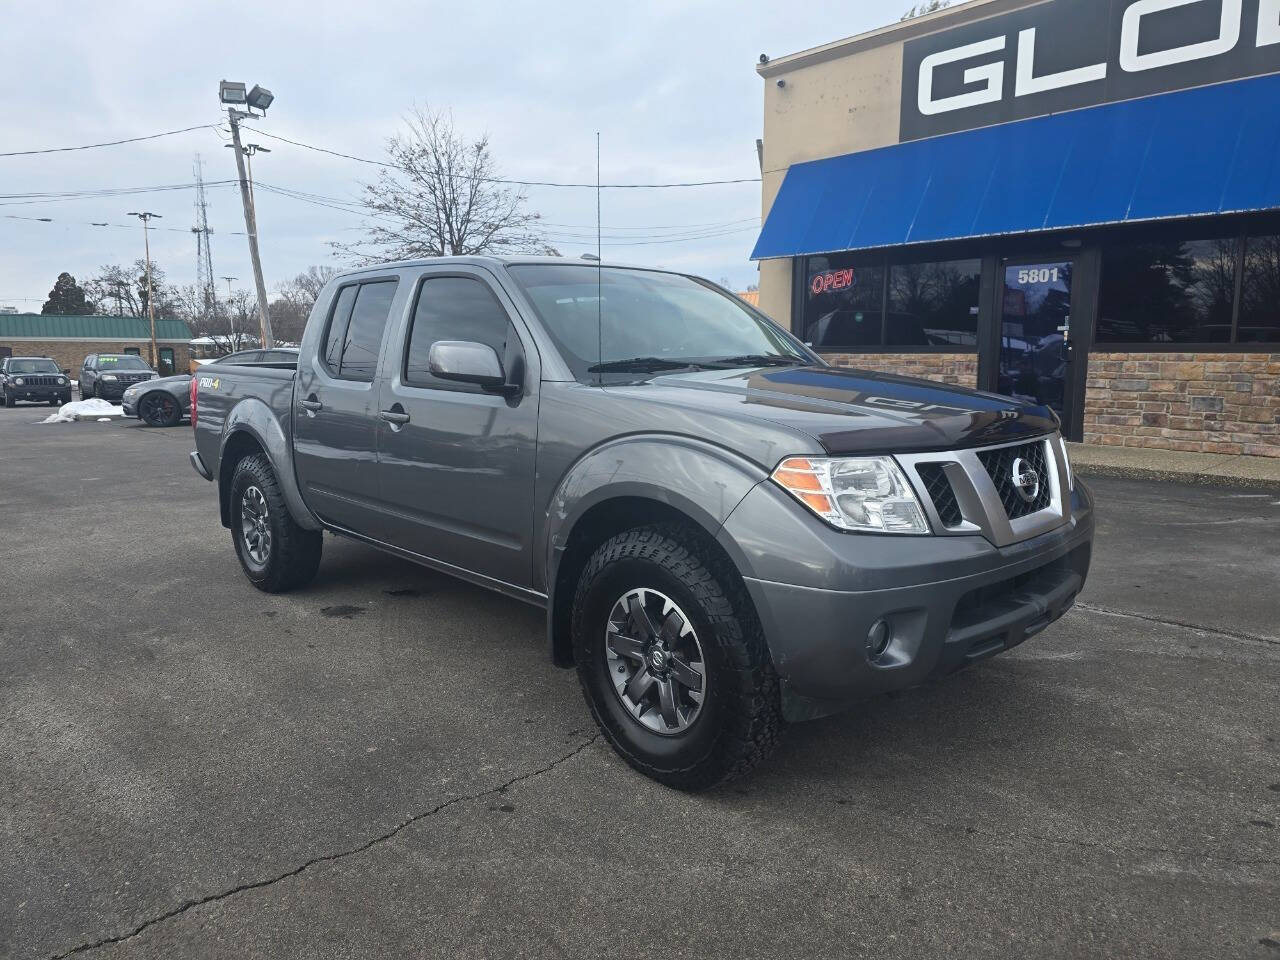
697, 479
253, 417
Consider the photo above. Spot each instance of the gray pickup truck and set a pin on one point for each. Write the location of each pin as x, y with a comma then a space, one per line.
727, 534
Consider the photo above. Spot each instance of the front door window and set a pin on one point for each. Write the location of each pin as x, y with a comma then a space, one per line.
1034, 332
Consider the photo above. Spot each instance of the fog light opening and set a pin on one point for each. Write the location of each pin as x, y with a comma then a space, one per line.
878, 639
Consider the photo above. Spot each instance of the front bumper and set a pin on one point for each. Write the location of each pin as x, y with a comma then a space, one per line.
129, 405
949, 601
40, 394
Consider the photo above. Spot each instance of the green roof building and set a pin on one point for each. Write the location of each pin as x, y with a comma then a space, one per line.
68, 340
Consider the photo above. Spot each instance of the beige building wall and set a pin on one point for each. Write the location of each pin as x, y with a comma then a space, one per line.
839, 98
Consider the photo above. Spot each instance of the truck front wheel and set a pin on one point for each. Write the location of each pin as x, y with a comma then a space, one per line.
275, 553
672, 659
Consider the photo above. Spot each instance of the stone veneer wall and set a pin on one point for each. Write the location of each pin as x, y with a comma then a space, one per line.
1225, 403
958, 368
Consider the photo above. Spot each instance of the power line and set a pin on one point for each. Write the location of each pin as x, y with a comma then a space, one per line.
518, 183
97, 223
109, 143
28, 199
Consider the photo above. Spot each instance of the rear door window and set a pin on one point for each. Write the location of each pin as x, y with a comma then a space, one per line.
363, 341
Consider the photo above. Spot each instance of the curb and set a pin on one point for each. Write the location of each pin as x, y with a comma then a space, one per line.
1195, 478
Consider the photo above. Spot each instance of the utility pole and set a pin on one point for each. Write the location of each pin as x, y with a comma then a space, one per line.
250, 151
250, 225
146, 217
231, 317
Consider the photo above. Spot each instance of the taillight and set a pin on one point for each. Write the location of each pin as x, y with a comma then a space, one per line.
195, 396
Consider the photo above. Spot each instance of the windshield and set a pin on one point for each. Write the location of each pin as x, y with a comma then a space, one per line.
32, 366
126, 362
612, 320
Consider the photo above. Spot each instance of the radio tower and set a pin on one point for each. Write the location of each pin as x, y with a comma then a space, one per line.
204, 257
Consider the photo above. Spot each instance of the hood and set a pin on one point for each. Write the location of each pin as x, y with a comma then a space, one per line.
178, 380
858, 411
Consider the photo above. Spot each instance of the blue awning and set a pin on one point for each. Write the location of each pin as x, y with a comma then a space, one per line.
1209, 150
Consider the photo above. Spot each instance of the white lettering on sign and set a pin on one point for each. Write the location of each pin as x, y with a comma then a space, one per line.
1027, 82
1268, 22
990, 74
987, 79
1132, 61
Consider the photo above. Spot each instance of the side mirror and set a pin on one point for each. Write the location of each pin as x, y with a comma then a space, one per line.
466, 362
66, 371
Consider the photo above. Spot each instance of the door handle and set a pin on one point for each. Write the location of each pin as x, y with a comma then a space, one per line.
311, 404
395, 417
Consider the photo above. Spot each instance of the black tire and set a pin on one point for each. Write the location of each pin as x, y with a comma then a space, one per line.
159, 409
739, 720
54, 401
292, 554
9, 401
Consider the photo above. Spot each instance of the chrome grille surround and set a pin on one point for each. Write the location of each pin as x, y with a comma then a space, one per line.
978, 498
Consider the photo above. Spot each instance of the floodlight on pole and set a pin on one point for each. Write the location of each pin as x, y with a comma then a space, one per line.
232, 93
258, 98
146, 216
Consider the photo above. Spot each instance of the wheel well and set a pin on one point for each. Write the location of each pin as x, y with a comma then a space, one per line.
602, 522
239, 445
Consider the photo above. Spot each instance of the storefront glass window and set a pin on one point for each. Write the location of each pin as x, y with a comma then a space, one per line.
1167, 292
843, 303
1260, 292
934, 304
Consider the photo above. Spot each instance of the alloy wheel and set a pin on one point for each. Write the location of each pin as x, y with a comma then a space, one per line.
255, 528
653, 656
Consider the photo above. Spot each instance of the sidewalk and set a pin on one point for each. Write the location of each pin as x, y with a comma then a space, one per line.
1212, 469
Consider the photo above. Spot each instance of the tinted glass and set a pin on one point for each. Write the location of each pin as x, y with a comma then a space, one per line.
843, 303
1167, 292
279, 356
1036, 306
32, 366
337, 330
455, 308
364, 332
934, 304
1260, 292
643, 314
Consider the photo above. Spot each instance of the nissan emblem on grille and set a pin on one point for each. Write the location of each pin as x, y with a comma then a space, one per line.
1025, 480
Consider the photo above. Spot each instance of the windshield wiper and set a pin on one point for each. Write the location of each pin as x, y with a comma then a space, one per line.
759, 360
641, 365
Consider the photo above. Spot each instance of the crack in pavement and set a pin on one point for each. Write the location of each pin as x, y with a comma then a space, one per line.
1217, 631
324, 858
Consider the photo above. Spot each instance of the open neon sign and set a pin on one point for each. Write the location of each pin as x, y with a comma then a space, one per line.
831, 280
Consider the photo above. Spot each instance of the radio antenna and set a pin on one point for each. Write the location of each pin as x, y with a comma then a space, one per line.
599, 274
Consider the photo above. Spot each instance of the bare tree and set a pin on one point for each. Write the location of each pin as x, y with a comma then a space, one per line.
920, 9
442, 198
295, 298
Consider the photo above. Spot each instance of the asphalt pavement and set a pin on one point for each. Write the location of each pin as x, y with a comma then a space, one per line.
386, 764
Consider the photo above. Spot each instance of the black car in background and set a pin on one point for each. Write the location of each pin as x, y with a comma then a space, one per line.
36, 379
164, 402
107, 375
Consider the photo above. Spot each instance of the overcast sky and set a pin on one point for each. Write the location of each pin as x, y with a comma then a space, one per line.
671, 87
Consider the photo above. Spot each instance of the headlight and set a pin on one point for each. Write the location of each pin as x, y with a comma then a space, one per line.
62, 381
868, 494
109, 376
19, 382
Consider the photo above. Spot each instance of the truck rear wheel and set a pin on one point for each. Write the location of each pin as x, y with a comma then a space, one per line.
672, 659
275, 553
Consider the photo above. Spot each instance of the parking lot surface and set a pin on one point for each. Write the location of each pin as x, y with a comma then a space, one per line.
386, 763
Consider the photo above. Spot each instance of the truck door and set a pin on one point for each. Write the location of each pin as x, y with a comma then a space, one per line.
456, 462
335, 425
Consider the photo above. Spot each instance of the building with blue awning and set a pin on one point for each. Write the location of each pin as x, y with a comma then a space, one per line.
1073, 201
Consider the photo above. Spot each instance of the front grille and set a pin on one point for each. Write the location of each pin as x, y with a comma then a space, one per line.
40, 381
999, 466
941, 493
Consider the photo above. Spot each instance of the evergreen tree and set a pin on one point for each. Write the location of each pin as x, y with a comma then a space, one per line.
67, 298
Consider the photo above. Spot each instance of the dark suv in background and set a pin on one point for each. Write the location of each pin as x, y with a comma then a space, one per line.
107, 375
36, 379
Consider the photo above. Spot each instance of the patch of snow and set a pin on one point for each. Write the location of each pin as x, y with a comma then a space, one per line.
83, 410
